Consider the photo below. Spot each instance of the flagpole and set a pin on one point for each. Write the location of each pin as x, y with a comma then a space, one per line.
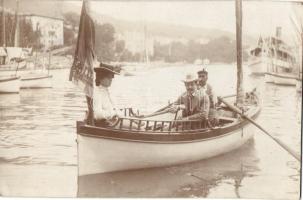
17, 31
3, 23
82, 68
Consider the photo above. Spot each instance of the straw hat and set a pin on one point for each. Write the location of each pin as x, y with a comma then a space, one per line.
107, 67
190, 78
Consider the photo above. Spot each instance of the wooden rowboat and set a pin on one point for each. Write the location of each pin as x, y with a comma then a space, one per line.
10, 84
159, 143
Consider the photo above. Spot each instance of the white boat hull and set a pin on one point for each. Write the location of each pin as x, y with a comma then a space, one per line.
10, 85
43, 81
284, 79
269, 78
257, 68
299, 85
99, 155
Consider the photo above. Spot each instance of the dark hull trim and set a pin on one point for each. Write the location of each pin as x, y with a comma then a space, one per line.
41, 77
281, 76
34, 87
142, 136
9, 79
9, 92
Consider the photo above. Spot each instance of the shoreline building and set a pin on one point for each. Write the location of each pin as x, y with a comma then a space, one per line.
51, 29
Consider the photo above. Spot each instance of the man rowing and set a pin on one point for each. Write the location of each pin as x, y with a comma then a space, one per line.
194, 102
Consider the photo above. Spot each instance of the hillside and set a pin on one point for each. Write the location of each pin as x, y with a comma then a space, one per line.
59, 8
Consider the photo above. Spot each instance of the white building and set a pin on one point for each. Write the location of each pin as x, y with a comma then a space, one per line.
137, 42
51, 29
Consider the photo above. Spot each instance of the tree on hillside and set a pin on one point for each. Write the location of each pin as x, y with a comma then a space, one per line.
160, 51
69, 37
193, 51
29, 37
221, 49
178, 52
9, 29
105, 48
72, 19
120, 46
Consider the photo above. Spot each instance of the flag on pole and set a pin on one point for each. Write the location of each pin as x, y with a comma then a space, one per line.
82, 72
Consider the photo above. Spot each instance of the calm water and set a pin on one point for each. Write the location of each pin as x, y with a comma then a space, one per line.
38, 155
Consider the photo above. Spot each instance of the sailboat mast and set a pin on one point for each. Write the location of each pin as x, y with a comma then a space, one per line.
301, 68
240, 92
3, 23
145, 45
16, 40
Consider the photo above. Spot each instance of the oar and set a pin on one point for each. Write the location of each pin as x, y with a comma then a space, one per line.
284, 146
154, 114
164, 108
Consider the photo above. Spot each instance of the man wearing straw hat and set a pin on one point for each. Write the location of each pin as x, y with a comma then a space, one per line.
194, 103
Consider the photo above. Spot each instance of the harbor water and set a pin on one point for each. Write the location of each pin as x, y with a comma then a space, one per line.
38, 150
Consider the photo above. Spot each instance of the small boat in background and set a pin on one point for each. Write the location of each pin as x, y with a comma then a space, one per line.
280, 78
10, 84
299, 83
38, 78
36, 81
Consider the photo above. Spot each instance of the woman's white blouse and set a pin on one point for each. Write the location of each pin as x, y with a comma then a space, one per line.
103, 105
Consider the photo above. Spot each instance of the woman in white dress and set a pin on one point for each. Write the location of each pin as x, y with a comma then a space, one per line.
105, 113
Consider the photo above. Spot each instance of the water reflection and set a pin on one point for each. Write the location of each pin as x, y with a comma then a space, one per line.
188, 180
38, 154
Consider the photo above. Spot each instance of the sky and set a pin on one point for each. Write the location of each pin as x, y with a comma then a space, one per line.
259, 17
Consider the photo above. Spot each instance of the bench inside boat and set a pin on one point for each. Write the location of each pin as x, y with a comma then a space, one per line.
132, 123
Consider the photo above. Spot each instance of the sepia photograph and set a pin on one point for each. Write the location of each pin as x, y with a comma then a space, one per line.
151, 99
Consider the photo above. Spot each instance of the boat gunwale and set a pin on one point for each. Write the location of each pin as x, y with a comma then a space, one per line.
168, 137
10, 79
281, 76
36, 78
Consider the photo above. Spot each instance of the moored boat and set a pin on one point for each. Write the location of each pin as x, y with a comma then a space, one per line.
271, 55
10, 84
281, 78
36, 81
269, 78
298, 84
258, 65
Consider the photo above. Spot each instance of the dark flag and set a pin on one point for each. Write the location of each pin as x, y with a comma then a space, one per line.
82, 72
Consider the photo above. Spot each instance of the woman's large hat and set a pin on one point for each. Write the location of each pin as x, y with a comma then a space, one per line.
190, 78
108, 67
